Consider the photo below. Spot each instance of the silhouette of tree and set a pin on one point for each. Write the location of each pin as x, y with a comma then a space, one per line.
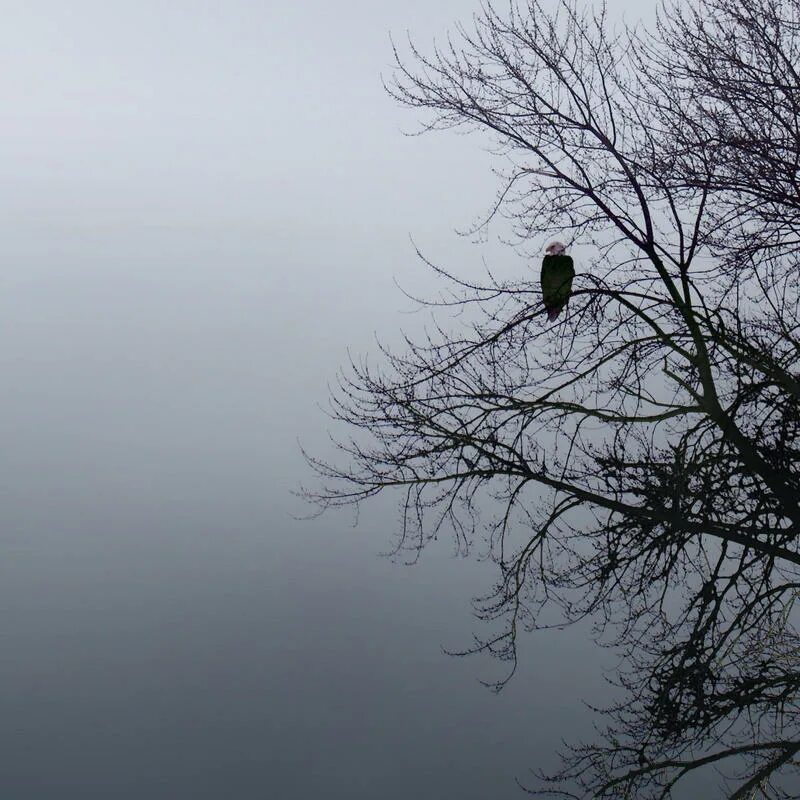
640, 456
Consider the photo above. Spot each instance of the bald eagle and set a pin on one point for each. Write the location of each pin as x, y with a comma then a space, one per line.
557, 274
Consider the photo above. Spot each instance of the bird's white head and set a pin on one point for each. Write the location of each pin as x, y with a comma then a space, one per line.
555, 249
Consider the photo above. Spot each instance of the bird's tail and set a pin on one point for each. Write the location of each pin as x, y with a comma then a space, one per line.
552, 313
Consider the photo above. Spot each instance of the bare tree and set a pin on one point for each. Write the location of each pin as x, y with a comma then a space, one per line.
640, 456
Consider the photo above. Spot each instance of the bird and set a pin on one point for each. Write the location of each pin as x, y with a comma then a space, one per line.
557, 274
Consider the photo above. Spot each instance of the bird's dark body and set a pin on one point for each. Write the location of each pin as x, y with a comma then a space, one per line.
557, 274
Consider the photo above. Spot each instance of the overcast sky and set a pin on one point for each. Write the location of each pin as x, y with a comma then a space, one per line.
202, 206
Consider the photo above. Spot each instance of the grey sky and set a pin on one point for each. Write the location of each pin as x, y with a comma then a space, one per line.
202, 206
206, 113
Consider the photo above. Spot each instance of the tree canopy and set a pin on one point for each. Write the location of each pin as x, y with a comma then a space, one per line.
639, 456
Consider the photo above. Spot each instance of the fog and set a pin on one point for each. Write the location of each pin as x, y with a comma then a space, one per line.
203, 206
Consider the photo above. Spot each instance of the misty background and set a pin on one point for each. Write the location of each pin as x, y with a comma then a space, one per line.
203, 205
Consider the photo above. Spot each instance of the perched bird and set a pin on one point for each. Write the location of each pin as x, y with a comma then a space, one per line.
557, 274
